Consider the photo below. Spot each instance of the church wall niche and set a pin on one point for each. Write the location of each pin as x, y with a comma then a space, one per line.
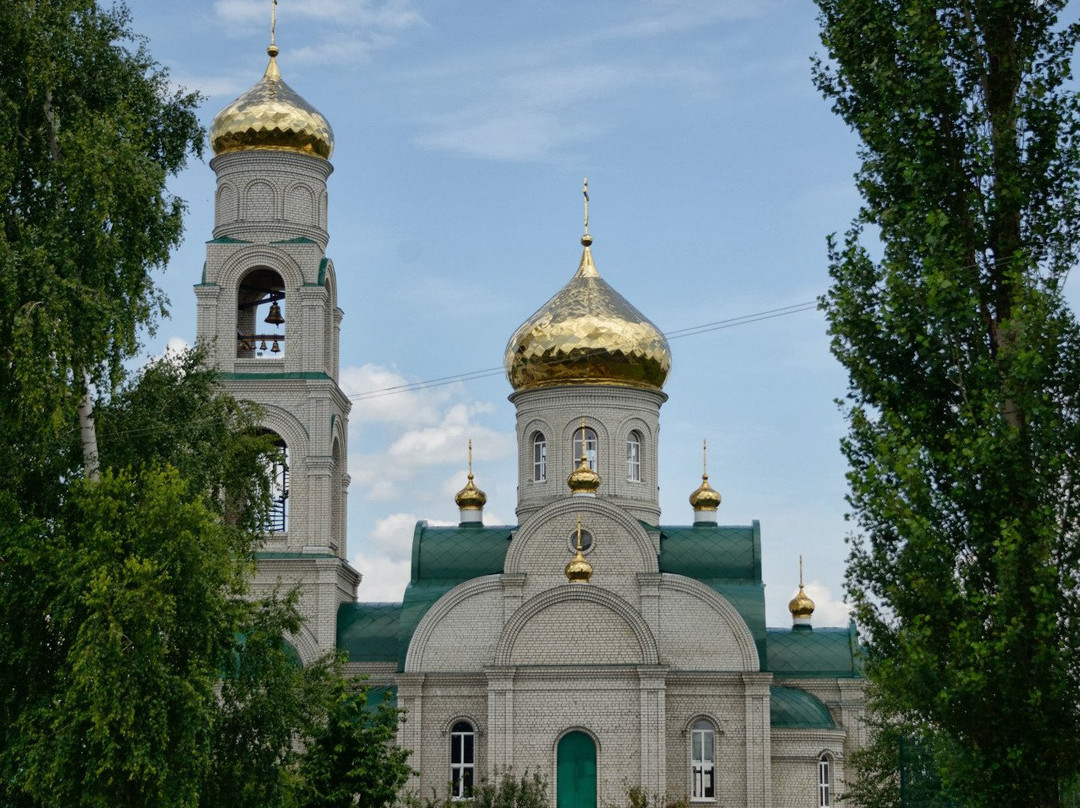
700, 630
300, 205
721, 702
226, 204
260, 202
461, 631
576, 633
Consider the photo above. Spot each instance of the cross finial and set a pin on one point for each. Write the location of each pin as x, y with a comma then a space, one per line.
583, 456
705, 459
585, 193
273, 49
800, 572
579, 532
470, 458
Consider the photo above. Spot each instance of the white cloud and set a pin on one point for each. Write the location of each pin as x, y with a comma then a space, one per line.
389, 405
828, 610
662, 17
385, 578
176, 345
393, 534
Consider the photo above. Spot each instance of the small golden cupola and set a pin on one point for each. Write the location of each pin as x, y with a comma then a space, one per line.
800, 606
705, 500
583, 480
272, 116
578, 569
587, 334
470, 499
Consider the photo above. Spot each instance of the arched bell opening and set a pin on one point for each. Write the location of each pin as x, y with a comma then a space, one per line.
277, 516
260, 315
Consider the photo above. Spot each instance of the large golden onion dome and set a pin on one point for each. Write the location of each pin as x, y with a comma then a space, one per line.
271, 115
587, 334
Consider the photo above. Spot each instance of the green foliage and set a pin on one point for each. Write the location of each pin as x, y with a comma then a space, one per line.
352, 758
89, 133
636, 797
505, 791
964, 369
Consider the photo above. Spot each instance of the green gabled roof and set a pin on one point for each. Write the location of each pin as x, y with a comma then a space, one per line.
728, 560
368, 632
458, 553
817, 653
791, 708
712, 552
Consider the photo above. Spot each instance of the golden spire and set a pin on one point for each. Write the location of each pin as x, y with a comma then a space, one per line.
578, 570
583, 480
705, 497
470, 498
800, 606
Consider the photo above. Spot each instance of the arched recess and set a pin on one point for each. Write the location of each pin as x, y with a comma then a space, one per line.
260, 202
746, 658
537, 527
337, 496
482, 589
527, 472
306, 646
300, 205
576, 594
261, 310
226, 204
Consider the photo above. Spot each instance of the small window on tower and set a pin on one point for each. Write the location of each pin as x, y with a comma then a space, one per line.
633, 457
825, 780
539, 443
589, 436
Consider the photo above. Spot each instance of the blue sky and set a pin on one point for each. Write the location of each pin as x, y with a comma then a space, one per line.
463, 132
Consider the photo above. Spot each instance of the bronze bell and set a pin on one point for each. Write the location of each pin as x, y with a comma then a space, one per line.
274, 348
263, 346
274, 317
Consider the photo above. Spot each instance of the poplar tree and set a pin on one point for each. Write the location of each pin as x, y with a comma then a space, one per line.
946, 308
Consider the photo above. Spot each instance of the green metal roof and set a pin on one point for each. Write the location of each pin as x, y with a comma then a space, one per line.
819, 652
791, 708
726, 559
368, 632
712, 552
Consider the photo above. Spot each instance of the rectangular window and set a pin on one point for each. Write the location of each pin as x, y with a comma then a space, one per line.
703, 786
824, 782
462, 761
539, 461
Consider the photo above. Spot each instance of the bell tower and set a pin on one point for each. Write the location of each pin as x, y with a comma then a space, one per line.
268, 315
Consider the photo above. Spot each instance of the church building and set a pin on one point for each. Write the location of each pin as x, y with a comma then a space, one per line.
592, 642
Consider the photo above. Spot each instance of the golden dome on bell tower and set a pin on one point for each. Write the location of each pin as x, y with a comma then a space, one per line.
587, 334
272, 116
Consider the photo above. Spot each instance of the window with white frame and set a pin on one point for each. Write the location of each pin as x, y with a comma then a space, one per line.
825, 780
539, 443
702, 742
462, 760
589, 436
633, 457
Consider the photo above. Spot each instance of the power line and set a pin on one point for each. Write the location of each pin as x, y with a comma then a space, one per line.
691, 331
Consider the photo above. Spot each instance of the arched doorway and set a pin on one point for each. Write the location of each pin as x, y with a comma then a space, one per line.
576, 771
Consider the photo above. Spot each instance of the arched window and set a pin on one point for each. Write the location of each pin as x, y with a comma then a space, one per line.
277, 518
539, 443
590, 447
260, 315
702, 742
462, 760
633, 457
824, 766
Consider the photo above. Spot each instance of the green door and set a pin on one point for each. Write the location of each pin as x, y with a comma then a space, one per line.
576, 771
